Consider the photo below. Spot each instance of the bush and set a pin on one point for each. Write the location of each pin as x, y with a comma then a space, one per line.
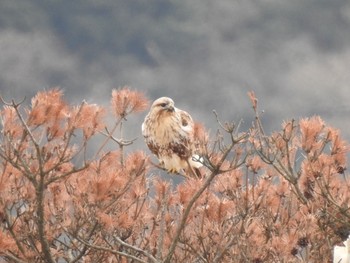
282, 197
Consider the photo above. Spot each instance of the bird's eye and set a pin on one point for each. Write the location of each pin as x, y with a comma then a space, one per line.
163, 105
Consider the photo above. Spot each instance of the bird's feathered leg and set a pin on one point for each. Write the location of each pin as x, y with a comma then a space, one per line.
161, 167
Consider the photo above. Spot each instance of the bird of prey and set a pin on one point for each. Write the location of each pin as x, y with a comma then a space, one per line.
169, 134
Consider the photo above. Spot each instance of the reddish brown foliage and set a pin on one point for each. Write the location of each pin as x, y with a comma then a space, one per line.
282, 197
125, 101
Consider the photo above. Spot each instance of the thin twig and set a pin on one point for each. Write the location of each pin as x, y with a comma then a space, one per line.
107, 139
139, 250
14, 258
115, 252
12, 102
85, 248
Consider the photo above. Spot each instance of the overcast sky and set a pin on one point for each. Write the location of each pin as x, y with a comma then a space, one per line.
204, 54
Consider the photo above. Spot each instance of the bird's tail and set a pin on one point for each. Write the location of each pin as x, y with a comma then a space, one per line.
194, 163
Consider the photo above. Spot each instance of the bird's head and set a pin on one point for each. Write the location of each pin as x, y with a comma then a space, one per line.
163, 104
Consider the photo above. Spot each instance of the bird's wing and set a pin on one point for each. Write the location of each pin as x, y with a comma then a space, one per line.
186, 122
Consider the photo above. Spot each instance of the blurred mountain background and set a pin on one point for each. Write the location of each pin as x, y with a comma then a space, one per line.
204, 54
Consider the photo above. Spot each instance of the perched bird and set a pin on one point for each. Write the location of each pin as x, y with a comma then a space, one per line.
342, 254
169, 134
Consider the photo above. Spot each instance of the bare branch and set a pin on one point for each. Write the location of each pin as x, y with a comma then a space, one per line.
14, 258
12, 101
116, 252
149, 256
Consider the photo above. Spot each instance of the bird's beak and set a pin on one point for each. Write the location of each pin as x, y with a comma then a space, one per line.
170, 108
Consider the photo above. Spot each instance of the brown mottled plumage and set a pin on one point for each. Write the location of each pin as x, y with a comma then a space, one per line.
169, 134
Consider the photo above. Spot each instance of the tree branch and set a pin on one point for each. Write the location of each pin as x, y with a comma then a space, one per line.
116, 252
